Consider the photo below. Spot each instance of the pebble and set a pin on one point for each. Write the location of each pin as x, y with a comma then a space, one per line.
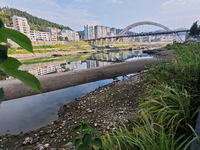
28, 140
49, 131
46, 145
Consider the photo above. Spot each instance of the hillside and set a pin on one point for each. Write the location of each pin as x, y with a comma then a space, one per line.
35, 23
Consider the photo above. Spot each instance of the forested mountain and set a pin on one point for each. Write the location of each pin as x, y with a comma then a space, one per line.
35, 23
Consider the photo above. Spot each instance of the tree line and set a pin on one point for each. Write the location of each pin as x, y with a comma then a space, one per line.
34, 22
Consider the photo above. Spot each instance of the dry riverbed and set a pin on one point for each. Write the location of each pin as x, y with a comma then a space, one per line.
103, 107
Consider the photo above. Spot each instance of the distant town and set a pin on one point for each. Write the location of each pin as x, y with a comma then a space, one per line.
54, 36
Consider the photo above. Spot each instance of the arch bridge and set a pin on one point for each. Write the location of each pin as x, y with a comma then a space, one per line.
112, 39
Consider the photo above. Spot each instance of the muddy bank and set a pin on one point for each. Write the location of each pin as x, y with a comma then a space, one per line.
57, 81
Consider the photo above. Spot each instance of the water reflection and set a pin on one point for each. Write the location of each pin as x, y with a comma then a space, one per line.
94, 60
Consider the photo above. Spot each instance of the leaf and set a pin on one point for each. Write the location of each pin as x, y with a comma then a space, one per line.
79, 123
10, 64
3, 53
10, 67
1, 24
1, 95
69, 144
3, 37
81, 136
77, 143
77, 128
86, 140
17, 37
98, 143
81, 147
84, 126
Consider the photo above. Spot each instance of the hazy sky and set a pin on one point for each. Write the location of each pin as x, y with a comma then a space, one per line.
112, 13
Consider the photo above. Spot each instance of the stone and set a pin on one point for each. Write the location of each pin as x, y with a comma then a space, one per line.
46, 145
28, 140
49, 131
39, 147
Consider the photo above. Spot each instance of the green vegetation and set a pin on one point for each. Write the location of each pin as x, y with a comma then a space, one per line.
168, 113
87, 140
69, 58
35, 23
60, 38
80, 42
194, 30
47, 48
10, 65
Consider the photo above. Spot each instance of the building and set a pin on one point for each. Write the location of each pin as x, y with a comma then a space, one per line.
113, 31
39, 36
20, 24
86, 31
53, 32
97, 31
91, 33
72, 35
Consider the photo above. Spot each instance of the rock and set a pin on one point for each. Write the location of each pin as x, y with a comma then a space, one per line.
46, 145
28, 140
39, 147
35, 140
49, 131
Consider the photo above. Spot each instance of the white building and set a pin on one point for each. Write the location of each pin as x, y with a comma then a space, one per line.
53, 32
72, 35
20, 24
39, 36
96, 31
91, 33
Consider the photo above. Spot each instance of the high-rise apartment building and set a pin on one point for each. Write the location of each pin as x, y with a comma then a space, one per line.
96, 31
86, 32
20, 24
113, 31
91, 34
72, 35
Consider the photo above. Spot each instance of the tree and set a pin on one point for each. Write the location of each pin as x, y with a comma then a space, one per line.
66, 38
59, 38
194, 29
10, 65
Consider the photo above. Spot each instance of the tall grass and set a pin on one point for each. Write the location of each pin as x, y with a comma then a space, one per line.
167, 115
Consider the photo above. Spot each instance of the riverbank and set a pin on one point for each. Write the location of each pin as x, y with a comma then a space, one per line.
108, 104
